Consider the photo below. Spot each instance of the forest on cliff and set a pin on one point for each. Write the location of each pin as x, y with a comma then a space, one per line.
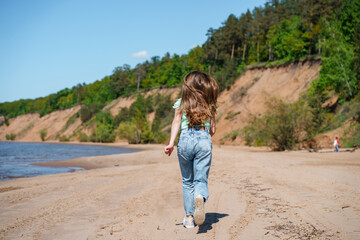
267, 36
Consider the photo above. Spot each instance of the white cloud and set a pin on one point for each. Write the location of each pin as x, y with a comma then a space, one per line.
141, 54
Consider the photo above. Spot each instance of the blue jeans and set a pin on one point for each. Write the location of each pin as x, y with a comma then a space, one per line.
194, 152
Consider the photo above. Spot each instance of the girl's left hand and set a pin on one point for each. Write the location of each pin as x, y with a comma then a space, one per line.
168, 149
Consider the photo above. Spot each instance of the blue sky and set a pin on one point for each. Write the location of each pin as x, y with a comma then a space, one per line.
48, 45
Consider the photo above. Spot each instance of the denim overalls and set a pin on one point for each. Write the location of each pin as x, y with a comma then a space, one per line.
194, 152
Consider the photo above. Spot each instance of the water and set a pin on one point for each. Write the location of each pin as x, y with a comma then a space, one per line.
15, 157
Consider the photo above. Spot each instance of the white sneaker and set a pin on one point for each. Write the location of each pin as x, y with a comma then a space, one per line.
188, 223
199, 215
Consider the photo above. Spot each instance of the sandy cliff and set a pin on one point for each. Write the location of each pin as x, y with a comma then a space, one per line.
245, 99
248, 95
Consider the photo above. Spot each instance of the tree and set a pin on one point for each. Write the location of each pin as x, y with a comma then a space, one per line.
140, 73
281, 127
231, 35
196, 59
245, 26
337, 62
120, 80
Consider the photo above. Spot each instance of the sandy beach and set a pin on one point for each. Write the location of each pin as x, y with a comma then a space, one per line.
254, 194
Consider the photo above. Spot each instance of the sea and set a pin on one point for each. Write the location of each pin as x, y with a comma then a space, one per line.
16, 157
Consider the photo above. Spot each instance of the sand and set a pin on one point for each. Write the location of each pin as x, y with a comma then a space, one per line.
254, 194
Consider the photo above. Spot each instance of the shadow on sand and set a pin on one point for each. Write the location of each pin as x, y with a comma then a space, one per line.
210, 219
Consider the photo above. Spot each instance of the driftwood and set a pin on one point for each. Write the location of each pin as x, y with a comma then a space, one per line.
315, 149
319, 149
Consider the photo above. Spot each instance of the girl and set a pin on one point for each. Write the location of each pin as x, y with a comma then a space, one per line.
195, 116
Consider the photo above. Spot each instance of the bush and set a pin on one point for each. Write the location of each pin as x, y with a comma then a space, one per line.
7, 121
353, 135
161, 137
226, 76
232, 135
129, 131
123, 116
82, 137
87, 112
64, 138
71, 120
282, 126
94, 138
164, 113
10, 137
104, 133
231, 115
43, 134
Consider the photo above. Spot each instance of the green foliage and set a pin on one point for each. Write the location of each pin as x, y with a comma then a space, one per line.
230, 136
344, 112
129, 131
196, 59
82, 137
233, 135
71, 120
241, 68
120, 81
43, 134
161, 137
104, 133
287, 40
278, 31
337, 65
164, 113
227, 75
349, 19
352, 135
123, 116
87, 112
231, 115
6, 121
282, 126
352, 112
10, 137
133, 125
64, 138
268, 36
104, 128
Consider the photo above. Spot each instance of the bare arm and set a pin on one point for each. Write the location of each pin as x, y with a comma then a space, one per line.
174, 131
212, 126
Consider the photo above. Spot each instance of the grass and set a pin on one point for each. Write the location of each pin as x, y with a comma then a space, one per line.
231, 115
71, 120
281, 62
28, 127
232, 136
242, 93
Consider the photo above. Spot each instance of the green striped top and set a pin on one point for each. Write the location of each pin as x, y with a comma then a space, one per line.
184, 121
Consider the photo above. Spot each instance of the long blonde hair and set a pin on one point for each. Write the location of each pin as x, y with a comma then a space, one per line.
199, 97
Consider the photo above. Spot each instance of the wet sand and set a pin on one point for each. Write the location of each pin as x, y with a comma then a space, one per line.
254, 194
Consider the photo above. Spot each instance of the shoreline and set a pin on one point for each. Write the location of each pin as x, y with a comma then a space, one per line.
115, 160
84, 163
137, 157
111, 160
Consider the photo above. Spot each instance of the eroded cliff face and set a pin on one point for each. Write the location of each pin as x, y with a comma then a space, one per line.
27, 127
248, 96
245, 99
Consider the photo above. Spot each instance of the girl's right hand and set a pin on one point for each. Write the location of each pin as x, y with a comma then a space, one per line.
168, 149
